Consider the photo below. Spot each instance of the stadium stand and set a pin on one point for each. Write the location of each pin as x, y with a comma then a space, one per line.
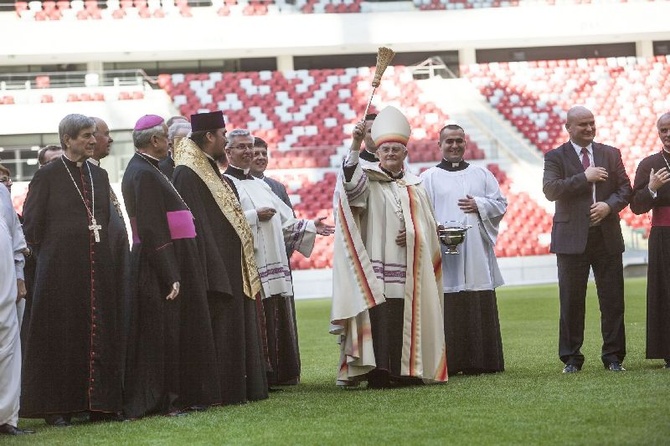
304, 113
626, 94
145, 9
95, 10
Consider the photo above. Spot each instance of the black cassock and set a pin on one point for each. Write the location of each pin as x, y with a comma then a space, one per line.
658, 280
170, 362
71, 360
234, 316
120, 252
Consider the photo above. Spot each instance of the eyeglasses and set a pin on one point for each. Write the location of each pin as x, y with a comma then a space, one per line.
5, 179
394, 150
243, 147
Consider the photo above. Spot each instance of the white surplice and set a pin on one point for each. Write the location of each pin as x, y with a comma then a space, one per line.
273, 236
12, 243
476, 267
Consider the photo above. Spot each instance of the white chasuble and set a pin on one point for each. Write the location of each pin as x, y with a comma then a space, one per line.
476, 267
369, 267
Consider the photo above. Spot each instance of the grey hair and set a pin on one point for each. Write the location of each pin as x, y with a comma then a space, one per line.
142, 138
177, 127
72, 124
237, 133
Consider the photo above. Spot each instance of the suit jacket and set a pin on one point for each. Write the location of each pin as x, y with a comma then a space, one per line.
564, 182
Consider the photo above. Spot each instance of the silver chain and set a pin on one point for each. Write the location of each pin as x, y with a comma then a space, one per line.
91, 214
398, 204
665, 159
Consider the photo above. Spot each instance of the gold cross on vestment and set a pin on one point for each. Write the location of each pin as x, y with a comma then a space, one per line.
96, 228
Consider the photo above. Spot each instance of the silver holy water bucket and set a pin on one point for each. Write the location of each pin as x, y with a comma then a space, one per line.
451, 235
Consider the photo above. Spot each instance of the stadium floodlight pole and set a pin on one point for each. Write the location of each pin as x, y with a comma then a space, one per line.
384, 57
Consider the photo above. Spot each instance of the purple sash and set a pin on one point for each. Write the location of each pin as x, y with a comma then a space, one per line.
180, 223
661, 216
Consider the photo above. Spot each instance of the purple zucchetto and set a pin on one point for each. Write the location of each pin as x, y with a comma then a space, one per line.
148, 121
207, 121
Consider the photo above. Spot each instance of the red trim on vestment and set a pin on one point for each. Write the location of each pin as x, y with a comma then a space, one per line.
416, 266
367, 292
91, 253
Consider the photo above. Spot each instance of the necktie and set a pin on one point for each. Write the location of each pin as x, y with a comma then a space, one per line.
585, 158
586, 163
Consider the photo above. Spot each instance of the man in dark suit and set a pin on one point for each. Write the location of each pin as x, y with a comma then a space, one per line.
258, 166
589, 184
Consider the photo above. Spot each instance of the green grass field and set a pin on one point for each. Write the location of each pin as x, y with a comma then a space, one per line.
530, 403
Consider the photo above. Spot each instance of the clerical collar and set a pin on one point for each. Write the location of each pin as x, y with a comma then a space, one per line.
368, 156
390, 174
146, 156
236, 172
94, 161
76, 163
453, 167
245, 171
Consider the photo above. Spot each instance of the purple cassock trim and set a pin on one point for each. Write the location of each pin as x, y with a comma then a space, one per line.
389, 272
180, 223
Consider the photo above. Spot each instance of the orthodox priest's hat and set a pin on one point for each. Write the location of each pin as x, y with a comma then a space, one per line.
207, 121
390, 125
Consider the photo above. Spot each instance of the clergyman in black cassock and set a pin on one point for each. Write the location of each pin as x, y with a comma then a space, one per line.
652, 193
71, 362
118, 238
171, 359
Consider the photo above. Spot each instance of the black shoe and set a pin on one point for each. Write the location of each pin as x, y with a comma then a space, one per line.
570, 368
378, 379
95, 417
198, 408
615, 366
8, 429
57, 420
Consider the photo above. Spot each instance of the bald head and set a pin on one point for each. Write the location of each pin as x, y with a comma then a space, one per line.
103, 139
663, 126
581, 125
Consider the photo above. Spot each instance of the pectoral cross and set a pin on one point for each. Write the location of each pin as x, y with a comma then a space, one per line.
96, 228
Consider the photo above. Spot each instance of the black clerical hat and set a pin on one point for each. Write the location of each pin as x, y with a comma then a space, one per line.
207, 121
